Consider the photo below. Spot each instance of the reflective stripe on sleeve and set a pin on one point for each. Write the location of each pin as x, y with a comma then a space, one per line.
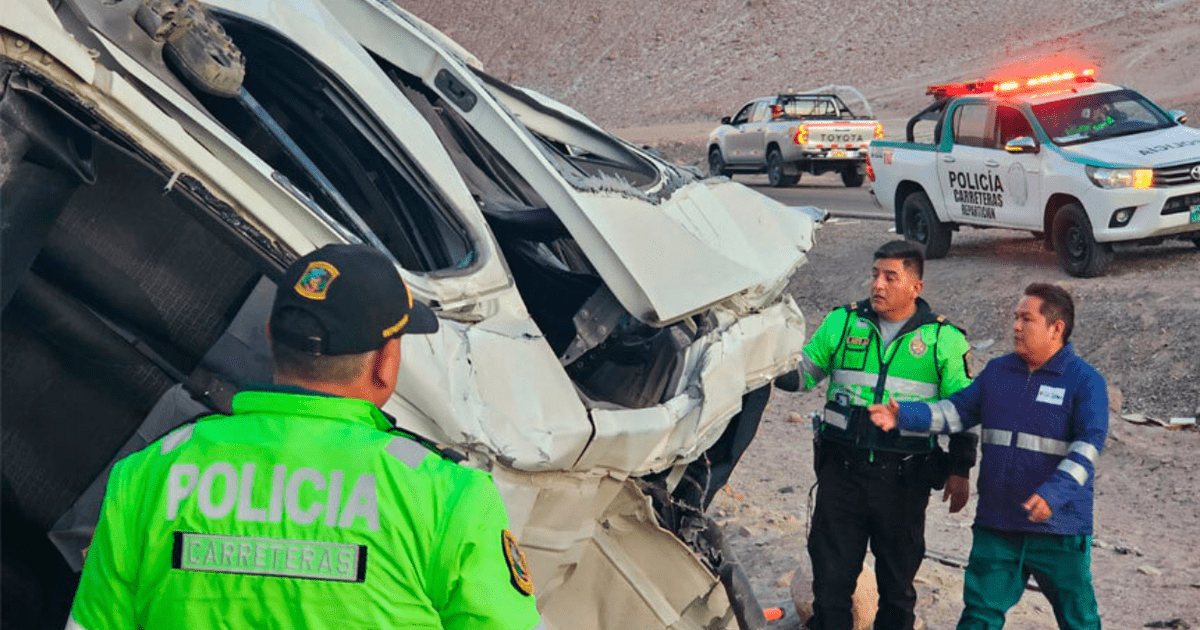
1075, 469
810, 369
1086, 449
997, 437
943, 415
74, 625
407, 451
908, 386
836, 419
1049, 446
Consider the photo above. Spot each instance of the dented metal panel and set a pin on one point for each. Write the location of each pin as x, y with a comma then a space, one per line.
620, 569
707, 242
495, 388
742, 355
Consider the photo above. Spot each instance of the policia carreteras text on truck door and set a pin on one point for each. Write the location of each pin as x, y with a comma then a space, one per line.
874, 486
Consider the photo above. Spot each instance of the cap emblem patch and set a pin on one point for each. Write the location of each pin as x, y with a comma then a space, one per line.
518, 567
314, 282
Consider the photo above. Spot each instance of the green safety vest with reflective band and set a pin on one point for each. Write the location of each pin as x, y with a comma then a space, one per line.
927, 361
300, 511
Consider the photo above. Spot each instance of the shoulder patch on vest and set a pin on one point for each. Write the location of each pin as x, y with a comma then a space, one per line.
518, 567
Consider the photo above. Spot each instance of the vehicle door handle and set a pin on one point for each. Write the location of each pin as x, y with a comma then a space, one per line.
949, 159
991, 163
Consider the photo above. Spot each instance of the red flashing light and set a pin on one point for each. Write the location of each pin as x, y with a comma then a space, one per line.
870, 169
1011, 85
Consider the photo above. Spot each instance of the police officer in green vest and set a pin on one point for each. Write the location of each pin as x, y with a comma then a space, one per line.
306, 508
873, 486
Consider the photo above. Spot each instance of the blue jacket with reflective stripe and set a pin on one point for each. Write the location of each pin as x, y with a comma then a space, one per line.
1041, 435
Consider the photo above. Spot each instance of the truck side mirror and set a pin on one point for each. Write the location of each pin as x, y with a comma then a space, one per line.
1021, 144
725, 120
1178, 115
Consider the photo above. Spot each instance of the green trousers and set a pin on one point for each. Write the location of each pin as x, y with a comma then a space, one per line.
1001, 563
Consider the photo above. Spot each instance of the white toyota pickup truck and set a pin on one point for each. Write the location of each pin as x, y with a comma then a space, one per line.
1085, 164
791, 134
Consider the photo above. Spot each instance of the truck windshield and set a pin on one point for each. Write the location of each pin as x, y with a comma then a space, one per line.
1099, 116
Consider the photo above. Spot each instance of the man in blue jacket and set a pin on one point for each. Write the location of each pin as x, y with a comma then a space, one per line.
1044, 413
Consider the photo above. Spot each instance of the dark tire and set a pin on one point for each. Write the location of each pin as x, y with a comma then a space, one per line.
1078, 252
716, 164
922, 225
1196, 242
775, 174
852, 178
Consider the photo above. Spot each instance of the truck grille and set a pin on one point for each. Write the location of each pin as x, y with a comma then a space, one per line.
1175, 175
1182, 203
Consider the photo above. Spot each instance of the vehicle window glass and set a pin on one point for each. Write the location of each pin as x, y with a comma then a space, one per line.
316, 134
970, 125
1010, 123
812, 108
760, 112
1096, 116
743, 115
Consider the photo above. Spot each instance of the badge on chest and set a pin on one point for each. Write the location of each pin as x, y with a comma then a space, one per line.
1051, 395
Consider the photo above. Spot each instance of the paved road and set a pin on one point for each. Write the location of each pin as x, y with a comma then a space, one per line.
823, 191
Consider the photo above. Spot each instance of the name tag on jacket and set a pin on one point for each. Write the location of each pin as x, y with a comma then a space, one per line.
1052, 395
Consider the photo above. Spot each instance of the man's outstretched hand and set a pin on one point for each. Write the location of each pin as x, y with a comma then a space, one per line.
1039, 510
884, 416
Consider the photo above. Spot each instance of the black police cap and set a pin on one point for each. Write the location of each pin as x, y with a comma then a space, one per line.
345, 299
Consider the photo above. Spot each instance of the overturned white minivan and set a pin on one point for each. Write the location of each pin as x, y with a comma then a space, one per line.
611, 323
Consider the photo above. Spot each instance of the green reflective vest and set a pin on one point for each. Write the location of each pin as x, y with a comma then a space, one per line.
927, 361
300, 511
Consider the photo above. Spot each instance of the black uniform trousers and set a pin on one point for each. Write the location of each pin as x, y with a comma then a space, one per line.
860, 502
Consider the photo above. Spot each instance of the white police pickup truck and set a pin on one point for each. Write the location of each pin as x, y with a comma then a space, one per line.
1086, 164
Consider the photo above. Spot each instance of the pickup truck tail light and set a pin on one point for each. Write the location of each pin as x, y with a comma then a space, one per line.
879, 131
801, 136
870, 170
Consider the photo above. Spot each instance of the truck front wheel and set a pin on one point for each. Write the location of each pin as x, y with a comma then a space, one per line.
922, 225
851, 177
775, 175
1078, 252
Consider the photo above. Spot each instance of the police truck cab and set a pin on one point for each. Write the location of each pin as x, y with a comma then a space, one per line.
1086, 164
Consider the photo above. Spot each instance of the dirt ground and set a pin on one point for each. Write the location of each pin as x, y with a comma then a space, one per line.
1137, 326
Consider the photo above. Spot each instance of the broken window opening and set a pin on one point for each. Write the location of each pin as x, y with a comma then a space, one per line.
629, 363
305, 124
587, 157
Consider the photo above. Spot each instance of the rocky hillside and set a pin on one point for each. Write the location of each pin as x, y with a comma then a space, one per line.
629, 63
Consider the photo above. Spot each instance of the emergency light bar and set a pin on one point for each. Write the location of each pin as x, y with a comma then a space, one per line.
1008, 86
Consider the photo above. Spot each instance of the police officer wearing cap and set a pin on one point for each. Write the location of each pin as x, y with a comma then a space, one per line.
306, 508
873, 486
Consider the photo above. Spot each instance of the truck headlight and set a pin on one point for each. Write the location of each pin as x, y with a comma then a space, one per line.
1121, 177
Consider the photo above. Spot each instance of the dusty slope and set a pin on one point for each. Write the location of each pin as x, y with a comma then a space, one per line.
627, 63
